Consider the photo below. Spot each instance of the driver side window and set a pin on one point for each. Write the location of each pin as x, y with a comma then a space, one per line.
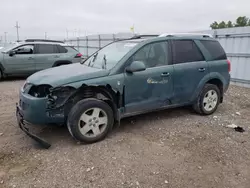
26, 49
153, 55
142, 54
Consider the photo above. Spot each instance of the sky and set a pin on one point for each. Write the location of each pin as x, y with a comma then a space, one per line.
80, 17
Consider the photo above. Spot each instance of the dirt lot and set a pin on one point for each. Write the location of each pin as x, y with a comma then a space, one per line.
172, 148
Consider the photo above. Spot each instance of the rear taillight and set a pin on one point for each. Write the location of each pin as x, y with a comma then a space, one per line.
78, 55
229, 65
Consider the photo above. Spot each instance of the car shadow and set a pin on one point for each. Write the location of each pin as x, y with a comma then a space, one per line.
16, 78
60, 134
136, 122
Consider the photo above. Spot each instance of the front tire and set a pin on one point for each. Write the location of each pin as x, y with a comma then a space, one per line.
208, 100
90, 120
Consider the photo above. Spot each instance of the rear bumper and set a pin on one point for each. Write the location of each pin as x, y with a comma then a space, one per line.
77, 60
23, 127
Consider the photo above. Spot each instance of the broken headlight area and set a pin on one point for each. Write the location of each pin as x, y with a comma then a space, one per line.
26, 87
59, 96
40, 91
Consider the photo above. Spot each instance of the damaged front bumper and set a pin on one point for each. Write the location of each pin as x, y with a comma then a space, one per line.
23, 127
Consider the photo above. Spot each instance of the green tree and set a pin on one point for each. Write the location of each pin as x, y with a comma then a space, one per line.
222, 25
229, 24
214, 25
241, 21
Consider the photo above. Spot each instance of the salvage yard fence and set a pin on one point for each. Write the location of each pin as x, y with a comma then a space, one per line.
90, 44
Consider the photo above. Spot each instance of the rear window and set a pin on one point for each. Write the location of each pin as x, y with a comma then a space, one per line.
215, 49
185, 51
70, 49
62, 49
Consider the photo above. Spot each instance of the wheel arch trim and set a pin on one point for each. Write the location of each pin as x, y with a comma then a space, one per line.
204, 81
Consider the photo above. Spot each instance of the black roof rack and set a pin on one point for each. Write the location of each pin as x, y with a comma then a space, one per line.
43, 40
143, 36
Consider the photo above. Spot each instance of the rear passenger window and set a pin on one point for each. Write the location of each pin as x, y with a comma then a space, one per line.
47, 49
215, 49
185, 51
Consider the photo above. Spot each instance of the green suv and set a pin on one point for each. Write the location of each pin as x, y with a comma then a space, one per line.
126, 78
33, 55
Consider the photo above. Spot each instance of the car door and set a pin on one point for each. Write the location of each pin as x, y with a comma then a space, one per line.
20, 60
189, 69
45, 56
152, 88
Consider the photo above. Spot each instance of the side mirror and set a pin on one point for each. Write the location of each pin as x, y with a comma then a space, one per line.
11, 53
136, 66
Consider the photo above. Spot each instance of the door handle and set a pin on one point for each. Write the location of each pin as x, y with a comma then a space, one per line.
165, 74
202, 69
56, 56
30, 58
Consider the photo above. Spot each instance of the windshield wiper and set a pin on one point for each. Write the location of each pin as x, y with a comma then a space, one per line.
89, 63
104, 64
94, 58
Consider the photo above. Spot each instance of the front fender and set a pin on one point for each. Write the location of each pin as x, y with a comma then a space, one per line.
115, 81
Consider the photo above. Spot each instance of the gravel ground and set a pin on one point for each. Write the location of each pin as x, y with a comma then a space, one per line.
172, 148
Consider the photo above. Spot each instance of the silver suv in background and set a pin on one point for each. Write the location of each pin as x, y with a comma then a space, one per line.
32, 55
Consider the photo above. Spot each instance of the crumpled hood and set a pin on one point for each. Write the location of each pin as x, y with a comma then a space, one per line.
65, 74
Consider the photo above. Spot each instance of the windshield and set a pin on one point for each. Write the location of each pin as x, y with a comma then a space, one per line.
109, 56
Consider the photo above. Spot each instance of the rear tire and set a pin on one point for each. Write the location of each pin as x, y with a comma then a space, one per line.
208, 100
90, 120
